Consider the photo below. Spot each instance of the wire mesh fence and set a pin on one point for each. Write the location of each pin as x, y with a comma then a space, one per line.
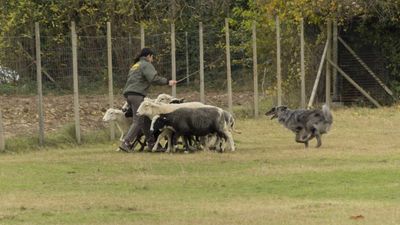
18, 68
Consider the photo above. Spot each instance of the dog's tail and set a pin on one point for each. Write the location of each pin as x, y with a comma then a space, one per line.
327, 113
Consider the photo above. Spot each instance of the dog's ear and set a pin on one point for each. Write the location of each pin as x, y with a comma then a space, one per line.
281, 108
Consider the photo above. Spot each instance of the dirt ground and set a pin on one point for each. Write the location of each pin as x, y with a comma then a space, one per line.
20, 113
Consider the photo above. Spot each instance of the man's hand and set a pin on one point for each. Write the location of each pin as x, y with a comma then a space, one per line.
172, 82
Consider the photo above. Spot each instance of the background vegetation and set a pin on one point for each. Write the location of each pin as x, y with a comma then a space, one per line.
376, 23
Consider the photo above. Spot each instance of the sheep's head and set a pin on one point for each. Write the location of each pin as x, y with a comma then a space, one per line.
177, 101
145, 109
125, 107
164, 98
276, 111
110, 115
157, 123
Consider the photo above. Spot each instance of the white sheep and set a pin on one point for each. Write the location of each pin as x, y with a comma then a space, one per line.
167, 99
151, 109
123, 123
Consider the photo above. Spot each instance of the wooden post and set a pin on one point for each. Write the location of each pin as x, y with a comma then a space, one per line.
2, 141
228, 65
278, 61
302, 66
110, 77
187, 57
142, 40
201, 55
321, 64
335, 60
351, 81
173, 58
75, 80
39, 84
327, 66
255, 69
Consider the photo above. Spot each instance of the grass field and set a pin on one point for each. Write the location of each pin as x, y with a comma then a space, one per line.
354, 178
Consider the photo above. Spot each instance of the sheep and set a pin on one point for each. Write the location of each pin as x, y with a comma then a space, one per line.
195, 122
123, 123
168, 99
213, 140
150, 109
167, 132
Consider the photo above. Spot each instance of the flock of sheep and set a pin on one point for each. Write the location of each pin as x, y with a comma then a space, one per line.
200, 126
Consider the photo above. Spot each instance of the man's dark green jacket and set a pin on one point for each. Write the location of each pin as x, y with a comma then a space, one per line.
141, 75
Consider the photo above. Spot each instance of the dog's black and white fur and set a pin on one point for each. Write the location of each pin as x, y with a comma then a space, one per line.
306, 124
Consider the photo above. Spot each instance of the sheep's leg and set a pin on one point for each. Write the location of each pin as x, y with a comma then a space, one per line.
229, 136
186, 140
158, 141
163, 134
122, 132
319, 143
205, 142
170, 144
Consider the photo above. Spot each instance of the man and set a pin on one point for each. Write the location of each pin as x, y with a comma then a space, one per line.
141, 76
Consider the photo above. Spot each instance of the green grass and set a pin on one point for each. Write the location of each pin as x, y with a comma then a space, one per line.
270, 179
60, 139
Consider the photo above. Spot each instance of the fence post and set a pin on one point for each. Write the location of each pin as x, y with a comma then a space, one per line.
173, 58
187, 58
278, 61
110, 77
328, 66
75, 80
315, 87
201, 55
142, 40
228, 65
335, 60
39, 84
302, 65
255, 69
2, 141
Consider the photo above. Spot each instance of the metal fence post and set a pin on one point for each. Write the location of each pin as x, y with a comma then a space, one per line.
2, 140
142, 40
201, 55
75, 80
255, 69
302, 66
173, 58
187, 57
110, 77
278, 61
39, 84
328, 66
228, 65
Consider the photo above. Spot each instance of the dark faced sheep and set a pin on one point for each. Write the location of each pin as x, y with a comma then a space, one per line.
189, 122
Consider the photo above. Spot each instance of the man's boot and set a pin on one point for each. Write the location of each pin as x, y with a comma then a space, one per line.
125, 146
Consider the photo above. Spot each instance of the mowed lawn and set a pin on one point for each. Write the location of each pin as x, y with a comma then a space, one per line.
354, 178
